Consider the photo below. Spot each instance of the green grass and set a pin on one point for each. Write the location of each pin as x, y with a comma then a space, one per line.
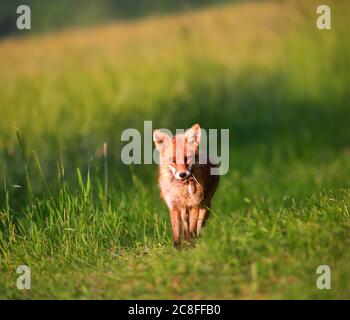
279, 85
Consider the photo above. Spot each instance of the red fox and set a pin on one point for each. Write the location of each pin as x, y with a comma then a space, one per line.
186, 184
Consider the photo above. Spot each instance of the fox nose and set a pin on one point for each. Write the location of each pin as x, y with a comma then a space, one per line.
182, 174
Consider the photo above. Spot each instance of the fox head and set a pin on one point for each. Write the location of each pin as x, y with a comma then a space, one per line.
178, 154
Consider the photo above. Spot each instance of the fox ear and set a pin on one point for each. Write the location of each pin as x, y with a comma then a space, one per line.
160, 139
193, 136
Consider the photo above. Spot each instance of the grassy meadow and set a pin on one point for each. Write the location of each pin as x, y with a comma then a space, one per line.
90, 227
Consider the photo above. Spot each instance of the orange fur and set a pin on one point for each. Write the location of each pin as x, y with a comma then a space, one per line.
187, 198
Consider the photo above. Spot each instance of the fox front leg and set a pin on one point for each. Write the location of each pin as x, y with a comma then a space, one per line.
175, 217
193, 221
184, 218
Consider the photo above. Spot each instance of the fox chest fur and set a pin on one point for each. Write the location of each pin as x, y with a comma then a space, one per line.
194, 192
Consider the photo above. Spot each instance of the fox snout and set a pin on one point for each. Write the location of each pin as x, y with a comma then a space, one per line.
180, 171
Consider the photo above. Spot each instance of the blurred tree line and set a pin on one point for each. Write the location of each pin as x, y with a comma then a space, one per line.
57, 14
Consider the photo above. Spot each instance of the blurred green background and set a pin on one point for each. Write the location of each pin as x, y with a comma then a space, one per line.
56, 15
259, 68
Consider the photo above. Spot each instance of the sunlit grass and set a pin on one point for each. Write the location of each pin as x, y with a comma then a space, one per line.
262, 70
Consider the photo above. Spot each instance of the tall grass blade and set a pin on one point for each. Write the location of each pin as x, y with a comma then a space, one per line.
29, 185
